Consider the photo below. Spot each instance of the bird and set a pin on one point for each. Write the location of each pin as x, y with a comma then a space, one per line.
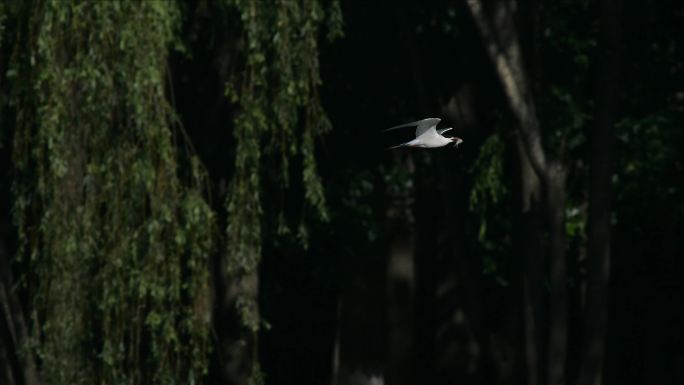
427, 135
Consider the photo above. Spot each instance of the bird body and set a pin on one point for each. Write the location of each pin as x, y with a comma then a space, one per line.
427, 141
427, 135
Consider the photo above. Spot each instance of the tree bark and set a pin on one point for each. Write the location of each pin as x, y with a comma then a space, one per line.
6, 373
335, 365
529, 246
400, 289
601, 142
237, 357
558, 292
400, 297
503, 47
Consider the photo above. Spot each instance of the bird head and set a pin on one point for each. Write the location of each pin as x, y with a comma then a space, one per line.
456, 140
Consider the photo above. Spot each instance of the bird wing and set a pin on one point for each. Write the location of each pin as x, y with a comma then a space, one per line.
443, 130
423, 125
427, 125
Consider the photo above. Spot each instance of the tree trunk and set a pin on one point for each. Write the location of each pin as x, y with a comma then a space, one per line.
501, 41
15, 320
400, 296
558, 292
400, 290
601, 141
503, 48
528, 237
6, 373
335, 365
237, 358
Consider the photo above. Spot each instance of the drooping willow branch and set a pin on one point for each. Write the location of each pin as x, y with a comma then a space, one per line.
117, 245
280, 109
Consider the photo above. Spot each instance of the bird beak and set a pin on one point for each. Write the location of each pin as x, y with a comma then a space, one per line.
457, 141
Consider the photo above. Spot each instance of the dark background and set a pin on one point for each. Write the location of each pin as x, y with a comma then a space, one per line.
343, 310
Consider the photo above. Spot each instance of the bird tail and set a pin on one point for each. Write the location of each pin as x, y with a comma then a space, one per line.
397, 146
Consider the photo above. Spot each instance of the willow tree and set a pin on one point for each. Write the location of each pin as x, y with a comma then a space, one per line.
279, 109
114, 239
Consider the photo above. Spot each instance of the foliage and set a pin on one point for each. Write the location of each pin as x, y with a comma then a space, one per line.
652, 141
488, 195
279, 106
488, 186
117, 243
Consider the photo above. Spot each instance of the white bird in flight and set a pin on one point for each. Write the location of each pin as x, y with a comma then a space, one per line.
427, 134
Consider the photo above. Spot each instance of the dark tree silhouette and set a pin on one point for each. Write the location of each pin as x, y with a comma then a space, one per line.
499, 34
601, 153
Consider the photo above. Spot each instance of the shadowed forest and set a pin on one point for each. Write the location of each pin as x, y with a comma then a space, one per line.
200, 192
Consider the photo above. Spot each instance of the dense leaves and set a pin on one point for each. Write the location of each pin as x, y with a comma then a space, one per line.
279, 106
117, 244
